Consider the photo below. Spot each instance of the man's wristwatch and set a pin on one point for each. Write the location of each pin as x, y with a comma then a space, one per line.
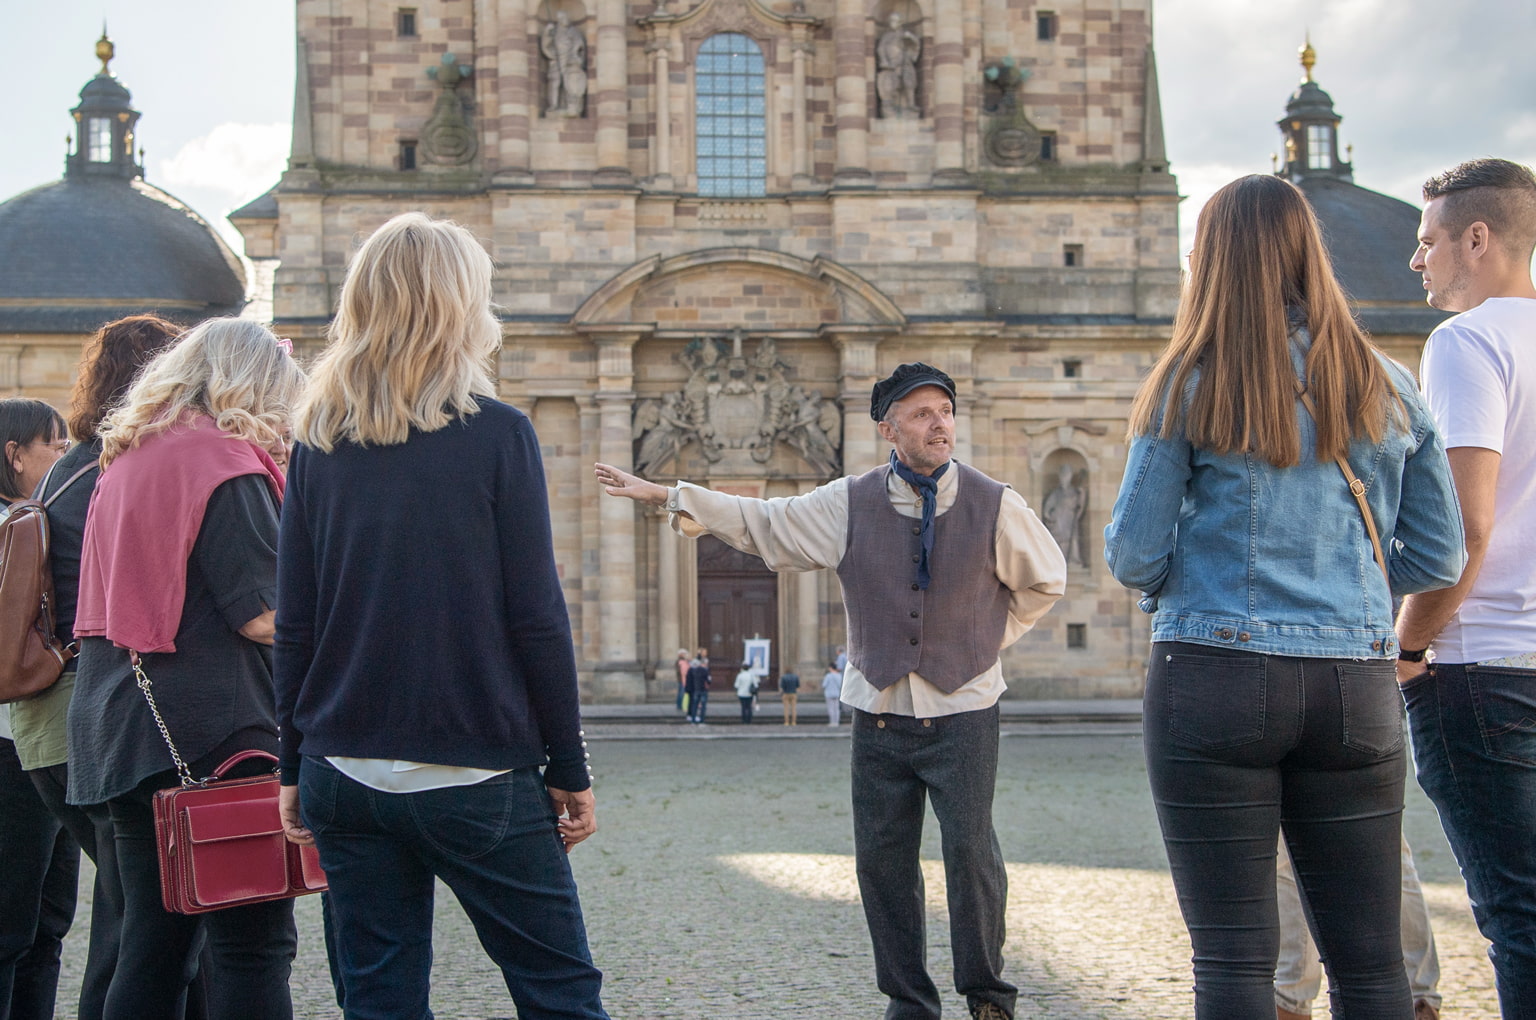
1418, 655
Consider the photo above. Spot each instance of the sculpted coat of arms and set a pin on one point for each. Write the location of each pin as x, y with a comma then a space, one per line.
737, 406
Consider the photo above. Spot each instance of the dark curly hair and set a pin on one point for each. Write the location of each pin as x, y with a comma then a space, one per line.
108, 364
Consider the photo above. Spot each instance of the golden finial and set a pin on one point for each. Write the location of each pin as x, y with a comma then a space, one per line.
1308, 57
104, 49
1274, 163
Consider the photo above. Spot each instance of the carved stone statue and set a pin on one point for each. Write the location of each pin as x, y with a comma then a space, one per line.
738, 408
896, 53
1062, 512
564, 46
446, 137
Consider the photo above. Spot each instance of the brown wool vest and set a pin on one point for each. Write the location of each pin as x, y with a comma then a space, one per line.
949, 634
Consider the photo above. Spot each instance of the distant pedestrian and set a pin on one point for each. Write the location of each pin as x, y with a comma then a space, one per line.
746, 691
789, 691
832, 690
698, 686
684, 660
840, 660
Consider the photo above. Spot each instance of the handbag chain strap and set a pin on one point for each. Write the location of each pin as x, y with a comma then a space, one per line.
142, 678
1357, 489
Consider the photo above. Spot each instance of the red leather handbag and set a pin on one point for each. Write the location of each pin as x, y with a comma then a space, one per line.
220, 841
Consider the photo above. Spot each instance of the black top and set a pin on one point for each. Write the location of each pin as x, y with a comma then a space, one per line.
215, 689
66, 530
420, 615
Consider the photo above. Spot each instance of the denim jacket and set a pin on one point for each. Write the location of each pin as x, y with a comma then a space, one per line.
1233, 551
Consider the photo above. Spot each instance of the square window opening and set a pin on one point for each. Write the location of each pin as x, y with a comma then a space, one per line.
1045, 26
407, 157
1072, 368
1077, 635
405, 22
1071, 255
1047, 146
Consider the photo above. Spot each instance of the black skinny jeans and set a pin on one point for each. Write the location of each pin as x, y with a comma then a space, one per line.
250, 949
1240, 745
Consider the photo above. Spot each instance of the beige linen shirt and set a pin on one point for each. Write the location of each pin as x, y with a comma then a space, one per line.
810, 532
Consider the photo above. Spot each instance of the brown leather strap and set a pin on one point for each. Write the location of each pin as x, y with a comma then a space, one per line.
1357, 489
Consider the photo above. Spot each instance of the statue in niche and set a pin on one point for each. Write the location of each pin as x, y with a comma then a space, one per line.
1062, 513
446, 137
896, 53
565, 47
738, 409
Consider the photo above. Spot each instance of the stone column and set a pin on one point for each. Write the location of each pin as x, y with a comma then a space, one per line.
858, 370
661, 91
611, 104
807, 626
618, 674
949, 94
852, 103
801, 48
513, 96
668, 595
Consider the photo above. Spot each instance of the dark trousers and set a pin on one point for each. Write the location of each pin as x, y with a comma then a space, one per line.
898, 763
250, 949
92, 830
39, 870
746, 708
698, 701
495, 844
1240, 745
1474, 741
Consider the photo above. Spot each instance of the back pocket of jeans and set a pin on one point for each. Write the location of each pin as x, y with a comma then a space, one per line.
1215, 701
1505, 702
1373, 707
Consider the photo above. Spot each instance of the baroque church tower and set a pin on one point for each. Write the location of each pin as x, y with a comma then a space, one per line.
718, 222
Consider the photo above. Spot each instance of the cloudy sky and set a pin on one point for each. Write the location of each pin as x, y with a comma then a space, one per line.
1421, 84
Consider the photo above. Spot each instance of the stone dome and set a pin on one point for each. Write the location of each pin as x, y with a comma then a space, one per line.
88, 249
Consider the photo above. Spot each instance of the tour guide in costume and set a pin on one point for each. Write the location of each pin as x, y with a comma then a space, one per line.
941, 568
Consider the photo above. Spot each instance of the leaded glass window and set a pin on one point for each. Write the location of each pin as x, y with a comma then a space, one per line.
730, 117
1318, 145
98, 140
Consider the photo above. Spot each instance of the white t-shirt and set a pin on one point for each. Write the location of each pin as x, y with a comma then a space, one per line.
1479, 376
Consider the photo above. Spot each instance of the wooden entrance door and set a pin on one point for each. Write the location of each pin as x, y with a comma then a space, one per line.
738, 599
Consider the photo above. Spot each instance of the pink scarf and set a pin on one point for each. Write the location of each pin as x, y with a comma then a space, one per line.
144, 518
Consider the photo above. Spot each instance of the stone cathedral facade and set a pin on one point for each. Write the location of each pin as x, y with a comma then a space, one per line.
718, 222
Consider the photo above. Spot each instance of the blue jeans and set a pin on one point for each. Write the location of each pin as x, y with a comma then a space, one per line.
1240, 745
496, 846
1474, 739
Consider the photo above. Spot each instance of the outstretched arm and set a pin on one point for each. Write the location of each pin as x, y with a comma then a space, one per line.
622, 483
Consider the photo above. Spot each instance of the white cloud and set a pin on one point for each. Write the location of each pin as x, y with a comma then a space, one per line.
235, 161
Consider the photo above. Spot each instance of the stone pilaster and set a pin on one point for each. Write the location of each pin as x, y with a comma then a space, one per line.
949, 93
852, 105
612, 105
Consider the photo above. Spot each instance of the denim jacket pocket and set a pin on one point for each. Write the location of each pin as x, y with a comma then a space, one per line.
1215, 701
1372, 706
1505, 703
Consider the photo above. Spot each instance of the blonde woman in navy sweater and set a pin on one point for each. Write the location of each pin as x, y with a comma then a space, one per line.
425, 675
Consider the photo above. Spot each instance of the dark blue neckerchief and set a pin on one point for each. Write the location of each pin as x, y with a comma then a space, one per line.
927, 486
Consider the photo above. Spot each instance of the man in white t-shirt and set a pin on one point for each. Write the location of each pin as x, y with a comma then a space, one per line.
1468, 660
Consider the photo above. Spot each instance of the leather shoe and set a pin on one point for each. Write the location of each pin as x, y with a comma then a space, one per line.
1422, 1010
1285, 1014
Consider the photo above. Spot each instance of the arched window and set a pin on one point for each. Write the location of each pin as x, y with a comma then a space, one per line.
729, 117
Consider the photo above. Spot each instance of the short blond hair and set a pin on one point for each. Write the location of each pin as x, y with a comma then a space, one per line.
229, 369
412, 341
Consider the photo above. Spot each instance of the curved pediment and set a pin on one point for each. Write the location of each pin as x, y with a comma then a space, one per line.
722, 288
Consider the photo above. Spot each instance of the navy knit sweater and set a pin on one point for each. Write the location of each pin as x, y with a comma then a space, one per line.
419, 610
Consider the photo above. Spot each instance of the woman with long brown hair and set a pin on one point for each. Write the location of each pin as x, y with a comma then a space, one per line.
1270, 700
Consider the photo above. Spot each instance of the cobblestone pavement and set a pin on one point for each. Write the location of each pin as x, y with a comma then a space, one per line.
721, 885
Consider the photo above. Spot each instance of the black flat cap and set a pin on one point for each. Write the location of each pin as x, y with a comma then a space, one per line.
904, 380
